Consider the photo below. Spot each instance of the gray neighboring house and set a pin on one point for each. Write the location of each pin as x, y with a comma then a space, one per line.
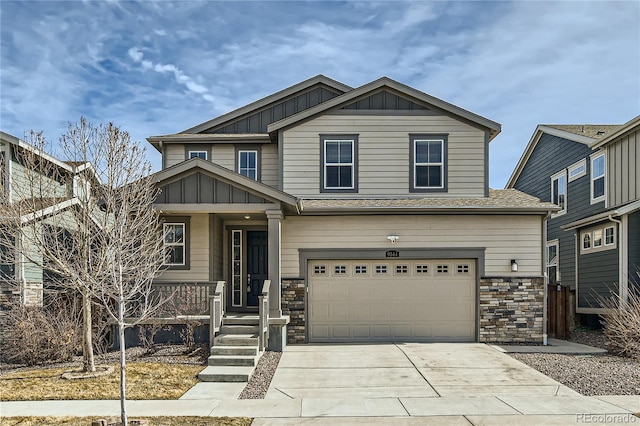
591, 173
368, 208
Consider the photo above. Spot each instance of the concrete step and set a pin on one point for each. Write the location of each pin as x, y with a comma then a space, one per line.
234, 350
236, 340
233, 360
226, 374
240, 320
239, 329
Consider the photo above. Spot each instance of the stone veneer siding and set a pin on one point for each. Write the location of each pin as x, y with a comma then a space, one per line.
511, 310
293, 305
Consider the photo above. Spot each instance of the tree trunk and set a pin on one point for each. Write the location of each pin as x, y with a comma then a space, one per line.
123, 376
87, 336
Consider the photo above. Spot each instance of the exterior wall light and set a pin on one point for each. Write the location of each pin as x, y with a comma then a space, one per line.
514, 265
393, 238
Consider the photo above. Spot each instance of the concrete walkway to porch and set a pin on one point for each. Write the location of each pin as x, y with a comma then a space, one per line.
406, 383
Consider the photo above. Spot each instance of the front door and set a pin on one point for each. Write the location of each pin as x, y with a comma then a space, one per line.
256, 264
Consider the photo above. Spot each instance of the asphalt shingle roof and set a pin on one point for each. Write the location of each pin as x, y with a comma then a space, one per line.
595, 131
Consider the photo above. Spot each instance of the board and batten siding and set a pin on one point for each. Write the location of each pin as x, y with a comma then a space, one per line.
623, 176
198, 253
505, 237
383, 154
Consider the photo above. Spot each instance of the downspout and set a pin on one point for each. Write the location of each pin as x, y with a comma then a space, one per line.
622, 292
545, 280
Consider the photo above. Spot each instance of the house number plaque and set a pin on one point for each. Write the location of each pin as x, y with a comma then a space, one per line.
393, 253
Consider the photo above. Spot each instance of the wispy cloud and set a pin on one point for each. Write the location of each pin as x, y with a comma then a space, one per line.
160, 67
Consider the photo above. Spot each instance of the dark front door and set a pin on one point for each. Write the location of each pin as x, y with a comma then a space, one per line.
256, 264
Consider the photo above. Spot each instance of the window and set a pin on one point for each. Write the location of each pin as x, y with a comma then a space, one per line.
174, 243
428, 163
339, 269
339, 161
402, 269
609, 236
462, 269
4, 181
577, 170
381, 269
198, 154
236, 264
360, 269
248, 164
552, 261
442, 269
559, 192
422, 269
597, 239
597, 178
319, 270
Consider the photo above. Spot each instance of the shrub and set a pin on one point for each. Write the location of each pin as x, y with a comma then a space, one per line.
621, 324
36, 334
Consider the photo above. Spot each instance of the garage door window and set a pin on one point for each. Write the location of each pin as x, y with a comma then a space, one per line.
442, 269
381, 269
340, 270
402, 269
360, 269
422, 269
462, 269
319, 270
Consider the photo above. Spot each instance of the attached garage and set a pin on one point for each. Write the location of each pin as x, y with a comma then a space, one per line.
392, 300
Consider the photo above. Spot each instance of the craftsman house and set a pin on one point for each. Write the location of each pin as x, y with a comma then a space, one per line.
591, 173
368, 209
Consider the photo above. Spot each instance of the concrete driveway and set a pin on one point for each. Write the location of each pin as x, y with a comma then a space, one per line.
405, 370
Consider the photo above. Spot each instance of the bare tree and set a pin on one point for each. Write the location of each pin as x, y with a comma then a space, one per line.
94, 228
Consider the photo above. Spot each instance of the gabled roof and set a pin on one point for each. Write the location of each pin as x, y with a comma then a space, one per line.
499, 201
319, 79
381, 83
586, 134
24, 145
632, 124
235, 179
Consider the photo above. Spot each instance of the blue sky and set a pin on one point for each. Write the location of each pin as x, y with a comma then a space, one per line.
161, 67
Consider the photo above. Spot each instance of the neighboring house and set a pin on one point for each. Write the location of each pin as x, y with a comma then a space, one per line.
368, 208
591, 173
53, 194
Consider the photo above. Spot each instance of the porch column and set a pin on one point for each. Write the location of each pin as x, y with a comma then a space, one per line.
274, 217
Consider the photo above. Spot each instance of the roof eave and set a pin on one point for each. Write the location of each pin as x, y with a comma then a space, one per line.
430, 210
629, 125
269, 99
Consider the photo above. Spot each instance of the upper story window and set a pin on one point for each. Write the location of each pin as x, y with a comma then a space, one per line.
577, 170
339, 163
176, 243
4, 172
559, 192
198, 154
598, 178
248, 164
428, 163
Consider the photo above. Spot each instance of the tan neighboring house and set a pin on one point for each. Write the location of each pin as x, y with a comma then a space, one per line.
368, 208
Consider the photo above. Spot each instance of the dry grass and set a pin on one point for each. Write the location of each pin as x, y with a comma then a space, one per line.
153, 421
144, 381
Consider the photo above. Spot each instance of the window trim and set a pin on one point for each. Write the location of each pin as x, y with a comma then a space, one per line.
557, 177
576, 166
602, 197
428, 137
556, 261
590, 232
179, 220
196, 147
250, 148
353, 138
190, 152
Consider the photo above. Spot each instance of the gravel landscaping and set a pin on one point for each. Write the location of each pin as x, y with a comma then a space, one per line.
605, 374
262, 375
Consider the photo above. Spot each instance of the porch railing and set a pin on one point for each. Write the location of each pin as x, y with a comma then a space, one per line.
263, 316
216, 310
183, 298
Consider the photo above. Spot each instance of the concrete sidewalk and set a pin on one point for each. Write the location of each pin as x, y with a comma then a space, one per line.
430, 410
399, 384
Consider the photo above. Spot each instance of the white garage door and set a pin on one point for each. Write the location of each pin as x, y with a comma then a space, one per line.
375, 300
